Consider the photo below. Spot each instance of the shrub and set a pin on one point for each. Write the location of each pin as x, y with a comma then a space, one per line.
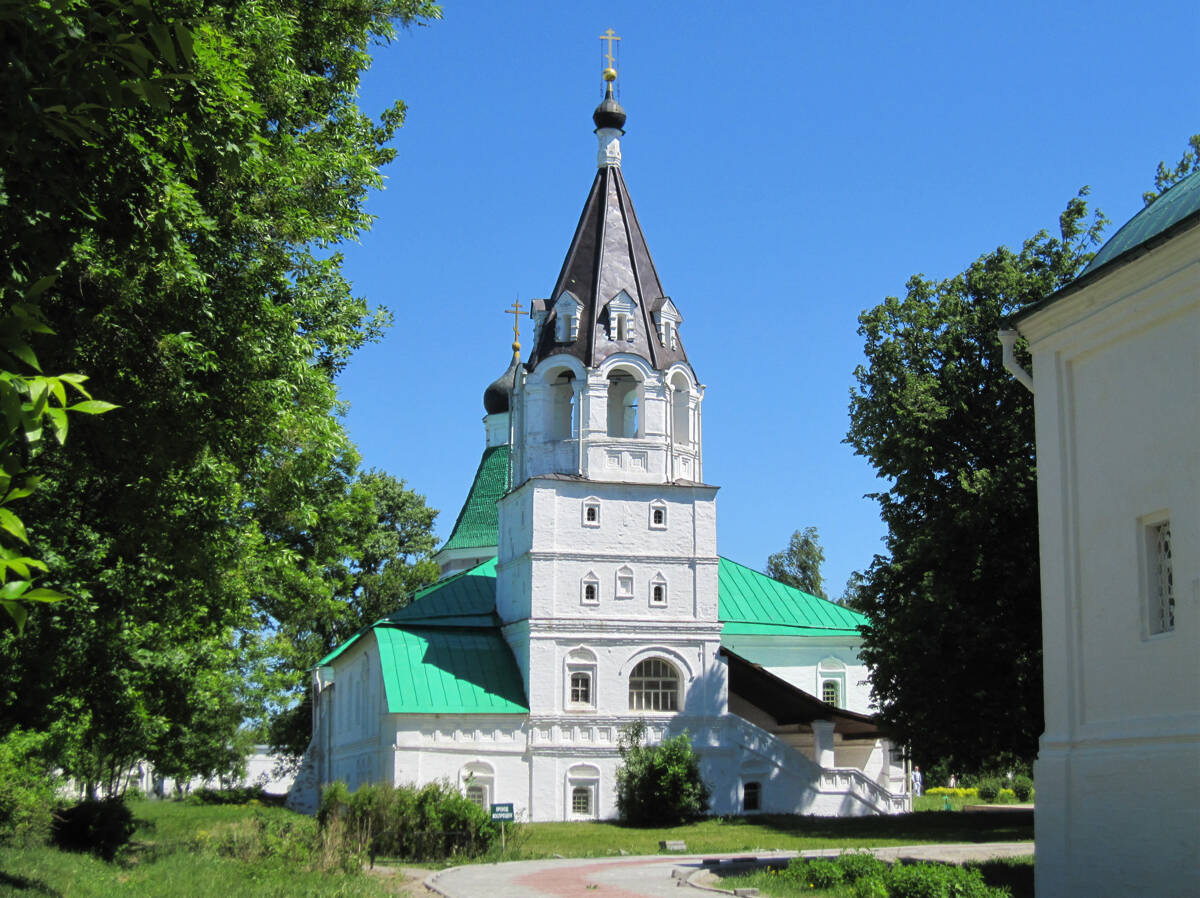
1022, 787
823, 874
957, 792
236, 795
100, 827
874, 886
989, 789
27, 789
861, 865
431, 822
658, 785
938, 881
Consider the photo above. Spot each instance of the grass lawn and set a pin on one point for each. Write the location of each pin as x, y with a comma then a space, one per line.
165, 860
162, 863
766, 832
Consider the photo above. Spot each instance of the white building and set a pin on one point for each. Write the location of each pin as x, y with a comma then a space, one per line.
584, 589
1116, 376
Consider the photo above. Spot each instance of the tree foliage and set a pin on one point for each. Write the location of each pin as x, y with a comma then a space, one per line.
799, 565
1165, 177
183, 172
658, 785
955, 642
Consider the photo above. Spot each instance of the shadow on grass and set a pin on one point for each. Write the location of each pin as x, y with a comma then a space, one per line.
959, 826
33, 886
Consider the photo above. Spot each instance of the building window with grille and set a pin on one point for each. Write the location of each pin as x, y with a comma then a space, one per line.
590, 589
476, 794
581, 801
591, 512
1160, 586
581, 688
658, 591
654, 686
752, 796
658, 515
829, 693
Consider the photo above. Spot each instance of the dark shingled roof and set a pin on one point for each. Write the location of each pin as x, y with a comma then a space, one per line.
608, 254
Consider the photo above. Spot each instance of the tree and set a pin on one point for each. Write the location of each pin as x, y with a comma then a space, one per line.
185, 173
658, 785
799, 565
1165, 177
954, 645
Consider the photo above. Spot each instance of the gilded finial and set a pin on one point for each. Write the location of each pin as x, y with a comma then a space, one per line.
515, 310
610, 71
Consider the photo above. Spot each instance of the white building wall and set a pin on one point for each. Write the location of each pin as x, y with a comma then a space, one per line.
1116, 374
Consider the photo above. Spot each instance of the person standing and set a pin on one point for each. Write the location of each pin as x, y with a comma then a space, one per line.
917, 782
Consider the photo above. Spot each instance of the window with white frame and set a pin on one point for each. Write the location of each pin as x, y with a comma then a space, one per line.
668, 320
658, 515
654, 686
591, 512
580, 684
620, 317
831, 681
658, 590
589, 589
624, 584
1160, 576
582, 787
478, 780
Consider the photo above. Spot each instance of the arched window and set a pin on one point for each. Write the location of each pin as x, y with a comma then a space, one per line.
562, 407
622, 404
752, 796
681, 417
590, 589
654, 686
658, 590
478, 781
658, 515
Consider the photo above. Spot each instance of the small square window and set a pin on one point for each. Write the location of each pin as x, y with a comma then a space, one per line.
658, 515
591, 513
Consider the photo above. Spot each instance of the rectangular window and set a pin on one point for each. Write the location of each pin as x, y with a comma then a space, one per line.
581, 801
1160, 588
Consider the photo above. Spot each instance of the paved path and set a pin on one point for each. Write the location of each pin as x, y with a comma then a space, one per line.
654, 876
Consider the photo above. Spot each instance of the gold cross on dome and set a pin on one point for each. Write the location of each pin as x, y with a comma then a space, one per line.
609, 36
515, 310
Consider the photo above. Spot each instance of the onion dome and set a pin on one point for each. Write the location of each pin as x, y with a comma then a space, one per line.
497, 398
609, 113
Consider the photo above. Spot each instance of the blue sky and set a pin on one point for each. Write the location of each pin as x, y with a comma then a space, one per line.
791, 164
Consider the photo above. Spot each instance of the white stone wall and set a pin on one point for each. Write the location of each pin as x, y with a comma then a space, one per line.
1116, 376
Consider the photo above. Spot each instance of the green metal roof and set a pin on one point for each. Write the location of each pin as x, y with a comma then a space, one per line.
479, 521
749, 602
1175, 204
449, 670
467, 599
444, 653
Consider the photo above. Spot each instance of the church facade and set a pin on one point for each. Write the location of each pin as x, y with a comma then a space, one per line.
583, 591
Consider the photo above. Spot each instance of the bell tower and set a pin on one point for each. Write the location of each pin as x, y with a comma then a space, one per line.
607, 557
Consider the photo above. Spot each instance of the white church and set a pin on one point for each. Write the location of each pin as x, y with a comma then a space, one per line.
582, 589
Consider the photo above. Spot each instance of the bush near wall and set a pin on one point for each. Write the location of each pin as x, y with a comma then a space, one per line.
1002, 795
28, 790
430, 822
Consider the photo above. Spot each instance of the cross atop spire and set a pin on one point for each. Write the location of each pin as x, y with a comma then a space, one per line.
610, 71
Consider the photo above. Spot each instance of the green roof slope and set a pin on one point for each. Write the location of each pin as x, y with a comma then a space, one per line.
449, 670
468, 599
479, 521
1181, 200
749, 602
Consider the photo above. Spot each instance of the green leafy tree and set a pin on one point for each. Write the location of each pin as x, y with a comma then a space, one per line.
799, 565
954, 646
658, 785
1164, 177
185, 173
